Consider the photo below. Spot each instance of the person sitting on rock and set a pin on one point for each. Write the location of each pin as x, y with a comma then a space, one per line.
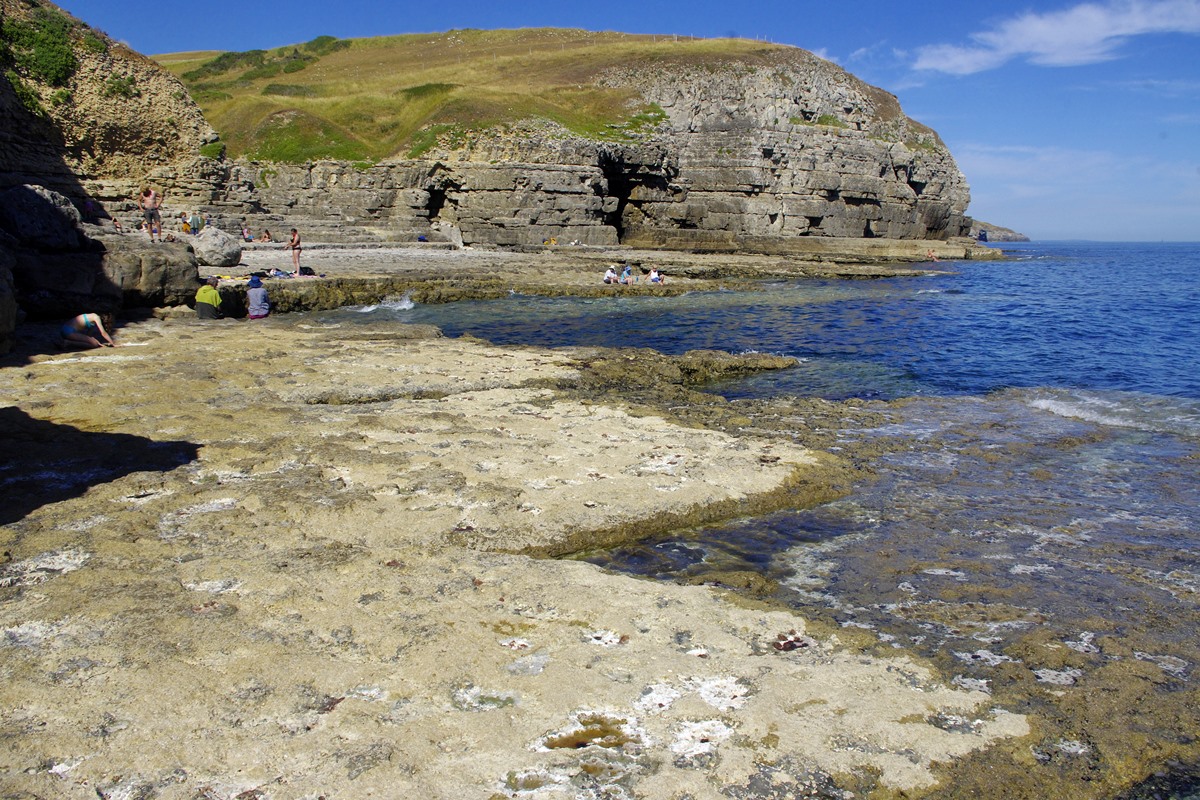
208, 300
247, 236
266, 237
611, 276
656, 276
256, 299
86, 331
627, 275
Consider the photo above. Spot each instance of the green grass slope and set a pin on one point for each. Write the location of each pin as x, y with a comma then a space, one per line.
371, 99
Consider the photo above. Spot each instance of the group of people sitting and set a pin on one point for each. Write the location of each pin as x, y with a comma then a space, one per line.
208, 299
89, 330
248, 235
627, 277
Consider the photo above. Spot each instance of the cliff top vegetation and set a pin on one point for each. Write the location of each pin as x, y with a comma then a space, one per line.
397, 96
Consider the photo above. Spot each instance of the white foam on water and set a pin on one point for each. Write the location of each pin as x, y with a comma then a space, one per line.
403, 303
1146, 412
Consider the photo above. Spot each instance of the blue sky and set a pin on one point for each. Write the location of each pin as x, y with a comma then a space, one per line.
1070, 120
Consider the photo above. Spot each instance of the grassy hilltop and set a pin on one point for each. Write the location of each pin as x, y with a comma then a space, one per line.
394, 96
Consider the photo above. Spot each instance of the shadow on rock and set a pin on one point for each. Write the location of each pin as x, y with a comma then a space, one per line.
44, 462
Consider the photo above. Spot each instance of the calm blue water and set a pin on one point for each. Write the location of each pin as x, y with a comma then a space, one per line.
1096, 316
1034, 523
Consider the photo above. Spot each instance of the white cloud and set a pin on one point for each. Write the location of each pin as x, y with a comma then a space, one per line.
1083, 34
1162, 88
825, 54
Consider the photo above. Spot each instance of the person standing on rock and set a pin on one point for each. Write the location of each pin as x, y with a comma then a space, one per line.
294, 245
149, 202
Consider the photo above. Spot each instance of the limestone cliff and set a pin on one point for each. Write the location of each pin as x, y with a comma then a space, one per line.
986, 231
794, 146
754, 148
765, 147
739, 150
77, 106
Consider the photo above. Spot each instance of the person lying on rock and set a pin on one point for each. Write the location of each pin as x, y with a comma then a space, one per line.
86, 331
208, 300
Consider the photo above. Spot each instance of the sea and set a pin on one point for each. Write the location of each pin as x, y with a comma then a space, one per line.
1031, 529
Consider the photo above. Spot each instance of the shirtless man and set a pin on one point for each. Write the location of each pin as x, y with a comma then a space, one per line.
149, 202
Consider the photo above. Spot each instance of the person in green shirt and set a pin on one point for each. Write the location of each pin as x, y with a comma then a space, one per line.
208, 300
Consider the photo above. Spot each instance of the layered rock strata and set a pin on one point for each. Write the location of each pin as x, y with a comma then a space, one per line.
752, 152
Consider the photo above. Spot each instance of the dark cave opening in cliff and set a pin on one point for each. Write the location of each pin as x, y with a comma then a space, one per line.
437, 201
620, 187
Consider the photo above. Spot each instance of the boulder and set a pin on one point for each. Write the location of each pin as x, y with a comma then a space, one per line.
38, 217
216, 248
106, 273
150, 275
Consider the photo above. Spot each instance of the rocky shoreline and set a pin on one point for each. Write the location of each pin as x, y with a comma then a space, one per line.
432, 273
273, 559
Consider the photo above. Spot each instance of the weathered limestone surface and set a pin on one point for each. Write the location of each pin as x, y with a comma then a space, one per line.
264, 559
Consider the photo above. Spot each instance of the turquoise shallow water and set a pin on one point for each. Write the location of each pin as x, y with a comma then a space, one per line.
1035, 527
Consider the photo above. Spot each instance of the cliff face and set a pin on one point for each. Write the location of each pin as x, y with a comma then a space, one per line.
763, 146
988, 232
97, 112
784, 146
795, 147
